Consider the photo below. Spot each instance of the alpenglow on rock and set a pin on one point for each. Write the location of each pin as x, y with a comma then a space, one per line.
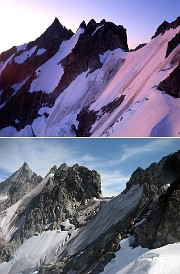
88, 83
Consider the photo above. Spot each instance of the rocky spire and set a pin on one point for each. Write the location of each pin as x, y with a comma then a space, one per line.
17, 185
83, 25
54, 34
25, 166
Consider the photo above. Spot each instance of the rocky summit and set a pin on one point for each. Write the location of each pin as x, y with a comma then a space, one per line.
88, 83
64, 225
17, 185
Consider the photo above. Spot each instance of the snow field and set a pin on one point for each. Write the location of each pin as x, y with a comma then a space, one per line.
35, 251
120, 206
26, 54
137, 79
145, 111
50, 73
164, 260
81, 92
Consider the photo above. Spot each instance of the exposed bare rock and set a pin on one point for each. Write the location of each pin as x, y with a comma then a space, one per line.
18, 185
162, 224
173, 44
166, 26
171, 85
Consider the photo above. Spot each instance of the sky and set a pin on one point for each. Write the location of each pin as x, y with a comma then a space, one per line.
22, 21
114, 158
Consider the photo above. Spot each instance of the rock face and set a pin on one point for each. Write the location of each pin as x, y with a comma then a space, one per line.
63, 197
148, 209
45, 47
18, 185
173, 44
166, 26
67, 191
87, 118
96, 243
162, 223
157, 174
96, 39
171, 85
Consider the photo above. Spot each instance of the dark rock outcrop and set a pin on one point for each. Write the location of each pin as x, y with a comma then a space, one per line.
4, 56
87, 118
63, 197
148, 209
171, 85
173, 44
18, 185
166, 26
96, 39
161, 225
153, 220
14, 73
139, 47
157, 174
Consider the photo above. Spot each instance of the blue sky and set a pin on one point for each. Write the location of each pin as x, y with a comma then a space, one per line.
23, 20
115, 159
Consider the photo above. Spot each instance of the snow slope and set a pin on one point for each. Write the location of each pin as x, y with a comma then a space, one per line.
50, 73
26, 54
121, 206
137, 78
35, 252
124, 257
81, 92
145, 111
164, 260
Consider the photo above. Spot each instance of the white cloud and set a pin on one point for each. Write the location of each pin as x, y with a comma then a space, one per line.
153, 145
38, 153
113, 182
42, 154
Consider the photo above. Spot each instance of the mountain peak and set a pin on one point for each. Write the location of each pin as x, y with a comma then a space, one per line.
25, 166
56, 20
56, 24
83, 25
54, 35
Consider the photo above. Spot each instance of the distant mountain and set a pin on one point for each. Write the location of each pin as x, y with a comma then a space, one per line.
89, 84
64, 225
17, 185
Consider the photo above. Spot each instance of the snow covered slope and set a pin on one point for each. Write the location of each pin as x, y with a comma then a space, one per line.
164, 260
35, 252
89, 84
64, 225
145, 111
